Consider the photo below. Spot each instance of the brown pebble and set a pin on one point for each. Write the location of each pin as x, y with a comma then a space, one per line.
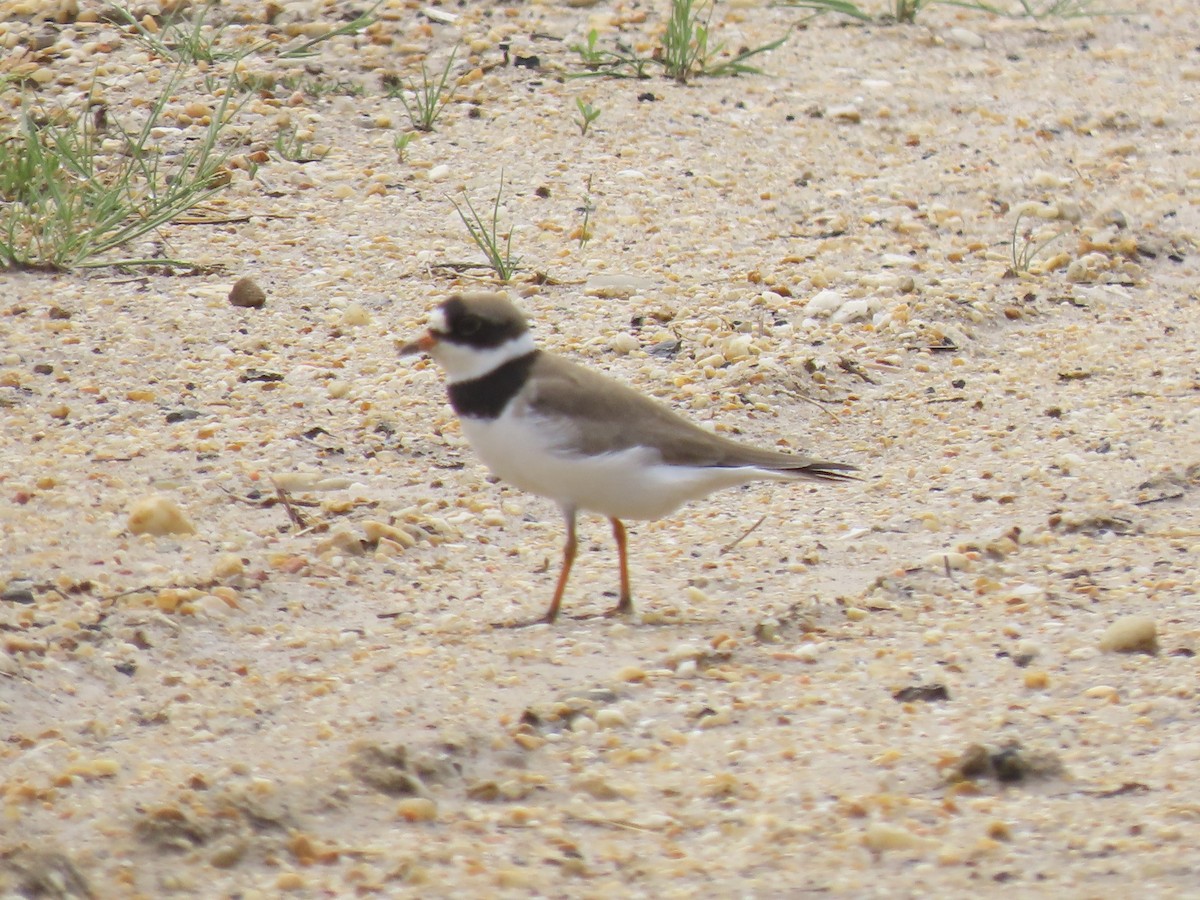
246, 294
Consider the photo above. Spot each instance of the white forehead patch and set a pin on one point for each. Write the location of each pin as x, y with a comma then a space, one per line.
437, 321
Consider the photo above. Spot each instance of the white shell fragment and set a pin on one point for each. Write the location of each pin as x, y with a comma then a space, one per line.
158, 515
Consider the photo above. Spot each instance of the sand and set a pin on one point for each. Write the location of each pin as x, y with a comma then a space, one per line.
971, 672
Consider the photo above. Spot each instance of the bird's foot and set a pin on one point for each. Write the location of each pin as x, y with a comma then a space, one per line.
620, 611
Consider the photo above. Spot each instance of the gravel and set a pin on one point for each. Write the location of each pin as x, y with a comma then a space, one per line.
248, 565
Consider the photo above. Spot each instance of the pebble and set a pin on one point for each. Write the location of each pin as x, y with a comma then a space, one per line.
964, 37
607, 717
1130, 634
355, 314
158, 515
624, 343
631, 674
953, 560
398, 644
824, 303
417, 809
854, 311
376, 531
13, 594
1087, 268
618, 285
211, 605
880, 837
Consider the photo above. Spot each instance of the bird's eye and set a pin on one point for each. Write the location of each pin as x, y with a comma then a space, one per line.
469, 325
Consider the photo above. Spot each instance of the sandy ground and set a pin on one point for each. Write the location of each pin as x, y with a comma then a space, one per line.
308, 697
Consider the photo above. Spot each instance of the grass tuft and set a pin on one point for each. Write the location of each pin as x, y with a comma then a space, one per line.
587, 115
79, 187
685, 52
430, 97
1025, 245
496, 248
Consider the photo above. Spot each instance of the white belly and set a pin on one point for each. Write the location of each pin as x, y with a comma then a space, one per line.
628, 484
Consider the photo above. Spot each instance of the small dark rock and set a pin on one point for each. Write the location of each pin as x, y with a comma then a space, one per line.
929, 693
256, 375
247, 295
17, 595
1008, 764
666, 349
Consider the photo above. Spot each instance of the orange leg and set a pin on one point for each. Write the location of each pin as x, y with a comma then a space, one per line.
625, 604
568, 560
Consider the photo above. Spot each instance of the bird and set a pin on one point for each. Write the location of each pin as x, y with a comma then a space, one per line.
553, 427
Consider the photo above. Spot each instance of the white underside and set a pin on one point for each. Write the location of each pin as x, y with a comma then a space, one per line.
534, 455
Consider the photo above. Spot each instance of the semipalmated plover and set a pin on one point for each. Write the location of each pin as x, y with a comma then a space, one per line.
553, 427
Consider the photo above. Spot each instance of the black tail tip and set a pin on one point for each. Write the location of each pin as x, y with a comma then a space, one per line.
830, 471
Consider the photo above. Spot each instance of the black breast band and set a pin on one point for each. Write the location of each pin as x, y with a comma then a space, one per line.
485, 397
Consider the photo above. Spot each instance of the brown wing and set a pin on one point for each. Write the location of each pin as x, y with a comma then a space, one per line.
611, 417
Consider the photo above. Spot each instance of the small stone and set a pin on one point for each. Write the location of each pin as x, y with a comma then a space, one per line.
880, 837
617, 285
767, 631
1130, 634
1037, 680
341, 540
211, 606
228, 565
416, 809
825, 303
289, 881
623, 343
246, 294
854, 311
598, 787
631, 674
943, 561
1087, 268
158, 516
927, 693
355, 314
17, 595
610, 718
714, 718
227, 853
964, 37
